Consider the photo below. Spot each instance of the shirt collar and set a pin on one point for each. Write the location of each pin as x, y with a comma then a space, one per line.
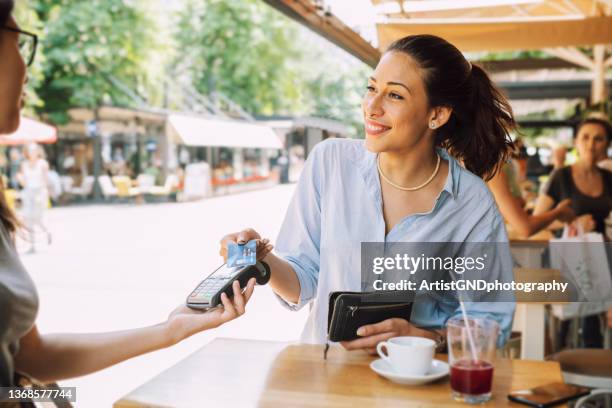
452, 181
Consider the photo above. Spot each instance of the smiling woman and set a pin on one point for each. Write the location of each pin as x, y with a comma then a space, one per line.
429, 114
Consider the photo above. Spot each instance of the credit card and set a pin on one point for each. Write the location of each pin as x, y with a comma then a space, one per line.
242, 255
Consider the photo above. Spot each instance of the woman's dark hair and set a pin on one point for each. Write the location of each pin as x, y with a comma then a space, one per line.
478, 130
7, 216
607, 127
6, 8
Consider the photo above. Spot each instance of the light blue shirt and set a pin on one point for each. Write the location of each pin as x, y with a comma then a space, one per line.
338, 204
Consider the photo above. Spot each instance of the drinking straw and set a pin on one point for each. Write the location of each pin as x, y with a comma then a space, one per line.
469, 331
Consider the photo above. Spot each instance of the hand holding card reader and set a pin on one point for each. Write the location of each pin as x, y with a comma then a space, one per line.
208, 293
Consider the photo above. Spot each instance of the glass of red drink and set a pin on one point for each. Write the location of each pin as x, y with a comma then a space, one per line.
471, 355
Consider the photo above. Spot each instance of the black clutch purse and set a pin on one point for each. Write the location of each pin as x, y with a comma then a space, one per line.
348, 311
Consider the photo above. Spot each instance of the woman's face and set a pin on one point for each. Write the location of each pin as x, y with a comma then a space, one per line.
591, 143
12, 79
395, 105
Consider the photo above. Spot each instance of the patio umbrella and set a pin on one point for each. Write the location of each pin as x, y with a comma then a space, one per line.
30, 131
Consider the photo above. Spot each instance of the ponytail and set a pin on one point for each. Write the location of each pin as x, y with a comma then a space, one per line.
478, 130
479, 135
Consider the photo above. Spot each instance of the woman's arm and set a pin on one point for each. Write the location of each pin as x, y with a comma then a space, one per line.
55, 357
523, 223
283, 279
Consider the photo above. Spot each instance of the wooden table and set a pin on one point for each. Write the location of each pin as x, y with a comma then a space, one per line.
250, 373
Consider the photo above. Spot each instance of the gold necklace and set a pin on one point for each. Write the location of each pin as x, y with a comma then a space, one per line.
435, 172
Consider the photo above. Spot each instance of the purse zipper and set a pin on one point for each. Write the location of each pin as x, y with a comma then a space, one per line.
354, 309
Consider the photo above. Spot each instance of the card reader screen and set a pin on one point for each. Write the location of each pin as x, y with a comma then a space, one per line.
224, 272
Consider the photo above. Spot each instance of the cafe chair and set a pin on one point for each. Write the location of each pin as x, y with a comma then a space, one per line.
145, 182
109, 191
124, 187
596, 399
163, 192
84, 190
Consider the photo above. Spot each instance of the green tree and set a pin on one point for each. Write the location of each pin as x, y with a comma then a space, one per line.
86, 43
241, 48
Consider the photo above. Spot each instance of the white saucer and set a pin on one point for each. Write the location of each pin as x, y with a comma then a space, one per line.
438, 370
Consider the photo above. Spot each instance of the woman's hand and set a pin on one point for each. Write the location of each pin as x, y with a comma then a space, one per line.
372, 334
184, 322
565, 212
263, 245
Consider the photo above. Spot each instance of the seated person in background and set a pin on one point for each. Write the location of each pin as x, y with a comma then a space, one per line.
512, 210
590, 190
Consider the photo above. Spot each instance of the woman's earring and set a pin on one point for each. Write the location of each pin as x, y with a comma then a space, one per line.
432, 125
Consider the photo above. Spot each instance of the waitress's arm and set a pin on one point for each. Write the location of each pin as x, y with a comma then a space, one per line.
53, 357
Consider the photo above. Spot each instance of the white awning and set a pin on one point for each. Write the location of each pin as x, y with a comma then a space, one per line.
30, 131
198, 131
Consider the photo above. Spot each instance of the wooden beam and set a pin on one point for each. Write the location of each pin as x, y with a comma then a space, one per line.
572, 55
579, 6
328, 26
598, 88
520, 35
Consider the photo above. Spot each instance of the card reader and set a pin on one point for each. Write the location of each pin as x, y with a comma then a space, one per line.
208, 293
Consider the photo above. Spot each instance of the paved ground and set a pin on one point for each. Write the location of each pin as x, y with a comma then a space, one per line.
116, 267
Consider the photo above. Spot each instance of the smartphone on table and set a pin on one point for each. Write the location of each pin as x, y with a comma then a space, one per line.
548, 395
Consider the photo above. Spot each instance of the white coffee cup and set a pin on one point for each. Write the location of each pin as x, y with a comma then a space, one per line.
408, 355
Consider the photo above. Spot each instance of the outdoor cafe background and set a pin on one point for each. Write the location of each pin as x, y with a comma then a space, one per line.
157, 110
204, 156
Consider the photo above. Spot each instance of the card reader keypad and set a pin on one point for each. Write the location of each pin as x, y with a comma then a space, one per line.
208, 288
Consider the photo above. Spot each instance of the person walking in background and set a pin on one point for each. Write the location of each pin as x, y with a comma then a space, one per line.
34, 178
